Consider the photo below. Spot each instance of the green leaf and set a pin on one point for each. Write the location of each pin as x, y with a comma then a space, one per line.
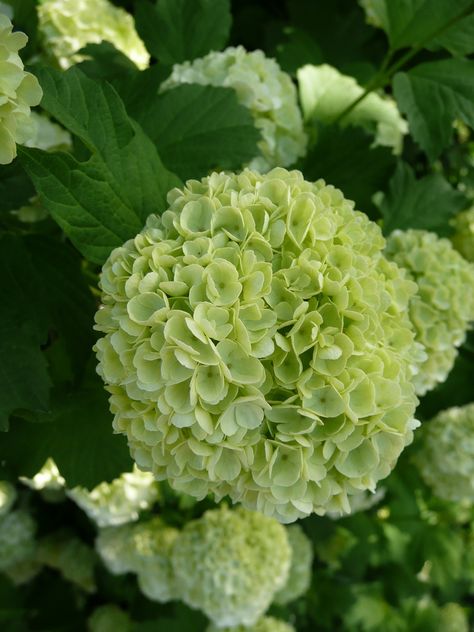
420, 22
428, 203
198, 128
46, 307
104, 61
298, 49
459, 40
346, 159
77, 434
15, 187
434, 94
179, 30
104, 200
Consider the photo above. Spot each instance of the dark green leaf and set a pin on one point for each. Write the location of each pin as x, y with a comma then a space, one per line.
198, 128
298, 49
432, 95
346, 159
104, 61
426, 204
105, 200
77, 434
15, 187
179, 30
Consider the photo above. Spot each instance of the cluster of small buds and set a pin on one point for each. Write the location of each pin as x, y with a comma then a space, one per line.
257, 345
263, 88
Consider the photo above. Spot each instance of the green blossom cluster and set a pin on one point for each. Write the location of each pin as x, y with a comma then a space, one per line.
446, 456
230, 563
48, 136
443, 307
48, 481
119, 501
375, 12
143, 549
66, 26
257, 345
325, 93
7, 497
263, 88
17, 538
453, 618
299, 577
109, 618
70, 556
19, 91
265, 624
463, 238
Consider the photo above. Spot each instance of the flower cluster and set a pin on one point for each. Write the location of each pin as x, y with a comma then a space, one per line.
7, 497
463, 238
265, 624
299, 577
48, 136
70, 556
443, 307
109, 618
263, 88
69, 25
117, 502
453, 618
17, 538
144, 549
375, 12
446, 456
19, 91
230, 563
325, 93
257, 345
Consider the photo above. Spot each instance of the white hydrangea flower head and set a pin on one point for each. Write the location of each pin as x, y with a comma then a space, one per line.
325, 93
453, 618
230, 563
299, 578
7, 10
257, 345
69, 25
119, 501
443, 307
109, 618
151, 545
446, 455
265, 624
463, 237
19, 91
17, 538
48, 136
263, 88
71, 557
114, 546
48, 481
7, 497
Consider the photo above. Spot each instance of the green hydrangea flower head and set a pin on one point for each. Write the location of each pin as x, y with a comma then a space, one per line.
17, 538
114, 546
230, 563
109, 618
325, 93
453, 618
66, 26
375, 12
265, 624
443, 307
48, 481
446, 455
263, 88
7, 497
463, 237
119, 501
299, 578
19, 91
48, 136
67, 554
151, 545
257, 345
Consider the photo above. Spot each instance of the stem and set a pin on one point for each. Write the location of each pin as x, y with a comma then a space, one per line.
383, 76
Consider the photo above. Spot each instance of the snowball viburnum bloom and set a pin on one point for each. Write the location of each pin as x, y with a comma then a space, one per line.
325, 93
299, 577
19, 91
443, 307
230, 563
66, 26
263, 88
8, 496
257, 345
446, 455
17, 538
265, 624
